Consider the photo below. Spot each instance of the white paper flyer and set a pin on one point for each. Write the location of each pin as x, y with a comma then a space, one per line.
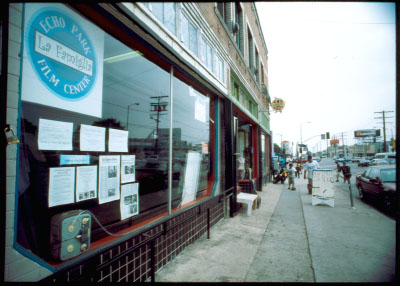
109, 178
129, 200
192, 172
55, 135
117, 140
127, 169
61, 186
92, 138
86, 183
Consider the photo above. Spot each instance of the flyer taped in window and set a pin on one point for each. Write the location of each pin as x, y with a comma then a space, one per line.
127, 169
109, 178
86, 183
129, 200
61, 186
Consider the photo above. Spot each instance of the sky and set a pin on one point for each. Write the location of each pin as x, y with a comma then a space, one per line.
334, 64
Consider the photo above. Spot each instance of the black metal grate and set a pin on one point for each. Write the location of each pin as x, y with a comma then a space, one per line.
138, 258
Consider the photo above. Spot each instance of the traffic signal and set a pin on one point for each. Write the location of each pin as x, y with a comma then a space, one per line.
327, 135
301, 150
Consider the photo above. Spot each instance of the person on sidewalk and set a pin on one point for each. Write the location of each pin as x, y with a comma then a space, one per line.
338, 170
309, 167
346, 173
292, 175
298, 170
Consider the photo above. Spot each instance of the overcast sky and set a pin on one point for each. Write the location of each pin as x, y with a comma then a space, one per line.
334, 65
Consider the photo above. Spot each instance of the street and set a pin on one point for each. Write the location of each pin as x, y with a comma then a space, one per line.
290, 240
328, 163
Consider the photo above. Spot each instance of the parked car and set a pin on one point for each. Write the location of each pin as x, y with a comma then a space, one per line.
391, 161
363, 163
318, 159
356, 159
387, 155
375, 162
341, 160
378, 182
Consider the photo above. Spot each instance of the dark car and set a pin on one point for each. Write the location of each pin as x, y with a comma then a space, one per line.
363, 163
378, 182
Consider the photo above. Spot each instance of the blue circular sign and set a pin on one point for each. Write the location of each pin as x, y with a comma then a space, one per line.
61, 54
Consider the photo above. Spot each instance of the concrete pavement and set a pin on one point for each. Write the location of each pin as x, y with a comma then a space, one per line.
289, 240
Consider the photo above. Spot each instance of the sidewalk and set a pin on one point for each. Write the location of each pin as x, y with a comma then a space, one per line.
289, 240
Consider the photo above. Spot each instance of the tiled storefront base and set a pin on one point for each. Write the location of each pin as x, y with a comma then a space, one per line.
131, 260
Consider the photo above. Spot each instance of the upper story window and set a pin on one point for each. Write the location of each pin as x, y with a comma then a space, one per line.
189, 35
256, 67
223, 8
237, 27
219, 69
250, 49
206, 54
165, 12
262, 74
236, 91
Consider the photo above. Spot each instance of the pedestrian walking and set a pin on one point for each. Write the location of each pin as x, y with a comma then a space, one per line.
292, 175
346, 173
308, 169
338, 170
298, 170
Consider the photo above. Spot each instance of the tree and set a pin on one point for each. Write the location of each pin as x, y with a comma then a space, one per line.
277, 149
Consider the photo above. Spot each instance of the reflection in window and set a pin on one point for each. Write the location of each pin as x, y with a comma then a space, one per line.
191, 136
135, 98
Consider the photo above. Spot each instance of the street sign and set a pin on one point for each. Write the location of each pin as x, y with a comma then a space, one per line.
302, 145
322, 136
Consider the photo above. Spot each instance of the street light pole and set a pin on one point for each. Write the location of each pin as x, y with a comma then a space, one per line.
127, 114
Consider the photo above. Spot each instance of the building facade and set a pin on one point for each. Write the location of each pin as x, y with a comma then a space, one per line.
127, 124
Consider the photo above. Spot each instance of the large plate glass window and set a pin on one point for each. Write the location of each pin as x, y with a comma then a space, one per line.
94, 132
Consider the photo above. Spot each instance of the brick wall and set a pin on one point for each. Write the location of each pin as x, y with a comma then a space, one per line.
124, 263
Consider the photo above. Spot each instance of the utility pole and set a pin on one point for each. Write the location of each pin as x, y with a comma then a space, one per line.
384, 126
344, 151
158, 107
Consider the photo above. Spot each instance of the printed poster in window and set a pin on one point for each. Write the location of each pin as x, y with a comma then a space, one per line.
62, 59
55, 135
92, 138
61, 186
117, 140
109, 178
127, 169
192, 175
129, 204
86, 183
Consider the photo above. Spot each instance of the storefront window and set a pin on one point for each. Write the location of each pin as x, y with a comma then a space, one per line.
95, 132
191, 139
